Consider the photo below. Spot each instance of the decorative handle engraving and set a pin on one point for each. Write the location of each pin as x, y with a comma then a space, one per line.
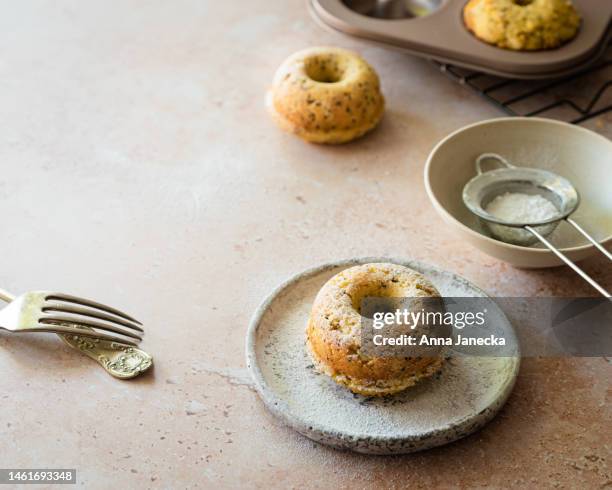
119, 360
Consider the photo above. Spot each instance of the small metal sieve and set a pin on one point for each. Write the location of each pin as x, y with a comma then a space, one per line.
487, 185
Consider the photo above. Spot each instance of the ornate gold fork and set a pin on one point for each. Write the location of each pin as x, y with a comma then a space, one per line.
47, 311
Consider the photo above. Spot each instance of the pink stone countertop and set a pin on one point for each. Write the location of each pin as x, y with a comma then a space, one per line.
139, 167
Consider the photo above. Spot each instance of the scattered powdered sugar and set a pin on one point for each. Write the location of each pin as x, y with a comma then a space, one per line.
194, 407
516, 207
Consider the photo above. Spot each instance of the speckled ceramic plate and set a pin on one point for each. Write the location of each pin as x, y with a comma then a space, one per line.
467, 393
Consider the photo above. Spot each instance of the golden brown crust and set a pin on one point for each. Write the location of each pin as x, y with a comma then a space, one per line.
326, 95
522, 25
334, 330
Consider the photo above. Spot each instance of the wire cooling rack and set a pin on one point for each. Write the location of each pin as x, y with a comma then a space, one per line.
574, 99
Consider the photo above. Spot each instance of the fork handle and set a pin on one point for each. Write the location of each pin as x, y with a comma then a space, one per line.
6, 296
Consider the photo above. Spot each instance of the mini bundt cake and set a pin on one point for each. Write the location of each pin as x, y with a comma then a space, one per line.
326, 95
334, 330
522, 25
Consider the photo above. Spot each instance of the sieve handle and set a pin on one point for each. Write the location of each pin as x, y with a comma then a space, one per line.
589, 238
491, 156
6, 296
577, 269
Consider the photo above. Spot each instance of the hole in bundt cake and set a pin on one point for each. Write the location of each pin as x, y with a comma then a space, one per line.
324, 70
378, 304
522, 3
381, 296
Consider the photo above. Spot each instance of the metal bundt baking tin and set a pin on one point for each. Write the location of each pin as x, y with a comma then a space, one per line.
437, 32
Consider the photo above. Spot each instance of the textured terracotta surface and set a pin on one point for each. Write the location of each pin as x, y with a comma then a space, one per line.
139, 167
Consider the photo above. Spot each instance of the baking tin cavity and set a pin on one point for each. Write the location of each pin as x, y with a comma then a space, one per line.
435, 29
393, 9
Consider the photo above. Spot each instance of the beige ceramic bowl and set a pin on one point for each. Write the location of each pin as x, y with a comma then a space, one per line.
580, 155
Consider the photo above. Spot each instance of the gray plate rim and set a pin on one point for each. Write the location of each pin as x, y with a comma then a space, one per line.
274, 404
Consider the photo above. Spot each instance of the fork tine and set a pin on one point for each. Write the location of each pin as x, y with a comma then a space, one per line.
63, 329
85, 302
63, 308
55, 319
